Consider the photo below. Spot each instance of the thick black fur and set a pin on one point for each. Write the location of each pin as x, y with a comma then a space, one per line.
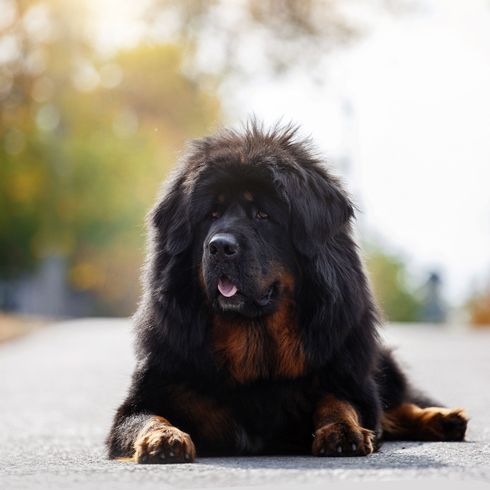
337, 317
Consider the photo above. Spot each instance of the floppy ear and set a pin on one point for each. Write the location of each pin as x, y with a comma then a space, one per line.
170, 217
170, 315
319, 207
335, 297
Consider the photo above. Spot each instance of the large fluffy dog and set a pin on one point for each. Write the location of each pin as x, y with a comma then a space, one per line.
256, 333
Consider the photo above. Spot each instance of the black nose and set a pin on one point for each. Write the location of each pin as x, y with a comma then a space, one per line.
223, 245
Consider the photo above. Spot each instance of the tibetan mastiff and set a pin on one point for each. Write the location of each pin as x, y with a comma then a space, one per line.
257, 330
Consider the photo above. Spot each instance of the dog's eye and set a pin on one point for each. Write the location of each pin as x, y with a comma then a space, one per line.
215, 215
261, 215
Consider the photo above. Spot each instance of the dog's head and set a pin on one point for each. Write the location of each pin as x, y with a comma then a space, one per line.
243, 216
247, 260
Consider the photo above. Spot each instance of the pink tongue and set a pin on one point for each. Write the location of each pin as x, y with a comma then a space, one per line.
226, 287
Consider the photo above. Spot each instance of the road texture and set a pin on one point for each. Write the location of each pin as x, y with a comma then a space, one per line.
59, 388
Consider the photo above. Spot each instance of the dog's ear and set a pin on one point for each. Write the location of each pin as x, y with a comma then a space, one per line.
170, 217
319, 207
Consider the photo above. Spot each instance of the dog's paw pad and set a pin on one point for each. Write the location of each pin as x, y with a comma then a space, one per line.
164, 445
343, 439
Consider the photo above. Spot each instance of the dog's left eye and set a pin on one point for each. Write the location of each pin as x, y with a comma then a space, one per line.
215, 215
261, 215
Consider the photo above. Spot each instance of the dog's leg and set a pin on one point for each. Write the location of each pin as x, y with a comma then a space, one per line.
149, 439
411, 422
154, 423
141, 433
411, 415
338, 431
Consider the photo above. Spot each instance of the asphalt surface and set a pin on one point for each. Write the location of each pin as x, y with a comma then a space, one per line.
59, 388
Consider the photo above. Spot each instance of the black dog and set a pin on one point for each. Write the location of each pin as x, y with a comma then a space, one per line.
256, 333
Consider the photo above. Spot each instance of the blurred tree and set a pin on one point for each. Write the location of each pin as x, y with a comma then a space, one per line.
389, 280
479, 308
84, 143
276, 35
84, 140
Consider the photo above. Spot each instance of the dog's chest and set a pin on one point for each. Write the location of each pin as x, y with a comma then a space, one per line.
266, 349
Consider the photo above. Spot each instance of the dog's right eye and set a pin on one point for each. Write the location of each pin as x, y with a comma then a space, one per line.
215, 215
260, 215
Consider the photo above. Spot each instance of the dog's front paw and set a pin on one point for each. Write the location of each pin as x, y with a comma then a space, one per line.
163, 444
343, 439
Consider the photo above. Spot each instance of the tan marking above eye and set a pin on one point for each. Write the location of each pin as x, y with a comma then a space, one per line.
248, 196
221, 198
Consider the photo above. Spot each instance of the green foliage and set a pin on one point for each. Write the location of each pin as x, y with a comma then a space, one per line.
388, 276
84, 145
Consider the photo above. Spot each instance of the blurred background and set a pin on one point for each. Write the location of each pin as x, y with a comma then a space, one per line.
97, 98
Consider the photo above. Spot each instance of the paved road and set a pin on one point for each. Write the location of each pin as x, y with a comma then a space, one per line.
60, 386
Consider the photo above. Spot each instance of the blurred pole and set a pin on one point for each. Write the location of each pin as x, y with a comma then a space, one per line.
433, 308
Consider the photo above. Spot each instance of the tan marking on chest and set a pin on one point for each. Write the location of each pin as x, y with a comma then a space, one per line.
289, 353
240, 348
263, 349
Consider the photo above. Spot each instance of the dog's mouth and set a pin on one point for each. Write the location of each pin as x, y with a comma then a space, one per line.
231, 297
226, 287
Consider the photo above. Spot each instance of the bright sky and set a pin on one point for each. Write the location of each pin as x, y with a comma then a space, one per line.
418, 134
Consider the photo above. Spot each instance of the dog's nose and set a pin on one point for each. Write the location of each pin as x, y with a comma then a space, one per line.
223, 245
